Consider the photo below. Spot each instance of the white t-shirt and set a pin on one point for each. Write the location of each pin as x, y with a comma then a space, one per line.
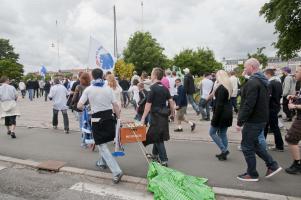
100, 98
172, 86
59, 93
135, 90
234, 81
22, 86
206, 88
117, 93
8, 92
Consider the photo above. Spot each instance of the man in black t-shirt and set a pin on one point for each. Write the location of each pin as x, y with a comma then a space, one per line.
156, 105
125, 85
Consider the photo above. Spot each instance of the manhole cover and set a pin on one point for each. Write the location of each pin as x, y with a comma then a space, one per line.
51, 165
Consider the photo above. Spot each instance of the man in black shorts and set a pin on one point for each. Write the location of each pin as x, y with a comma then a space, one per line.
293, 136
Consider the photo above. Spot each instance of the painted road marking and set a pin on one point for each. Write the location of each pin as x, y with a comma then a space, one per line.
106, 190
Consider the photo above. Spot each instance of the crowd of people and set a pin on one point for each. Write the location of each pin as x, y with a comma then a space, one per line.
162, 98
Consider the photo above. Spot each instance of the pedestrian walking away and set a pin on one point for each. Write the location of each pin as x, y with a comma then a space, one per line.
9, 109
235, 85
103, 104
30, 89
58, 94
275, 93
205, 86
253, 116
22, 88
293, 136
156, 105
190, 90
222, 114
289, 86
79, 89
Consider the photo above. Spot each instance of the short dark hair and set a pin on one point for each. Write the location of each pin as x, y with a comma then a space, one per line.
270, 72
135, 82
97, 73
178, 79
56, 81
174, 73
3, 79
207, 74
158, 72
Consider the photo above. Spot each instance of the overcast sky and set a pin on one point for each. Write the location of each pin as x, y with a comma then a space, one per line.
231, 28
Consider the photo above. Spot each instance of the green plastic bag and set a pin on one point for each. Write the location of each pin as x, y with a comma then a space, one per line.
169, 184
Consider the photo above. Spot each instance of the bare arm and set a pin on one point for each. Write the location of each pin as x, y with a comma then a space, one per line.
146, 111
116, 109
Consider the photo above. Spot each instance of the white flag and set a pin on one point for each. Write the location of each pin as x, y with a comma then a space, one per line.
100, 57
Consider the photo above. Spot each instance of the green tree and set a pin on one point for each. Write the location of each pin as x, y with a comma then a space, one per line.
199, 61
7, 51
9, 65
144, 52
286, 14
11, 69
260, 56
123, 69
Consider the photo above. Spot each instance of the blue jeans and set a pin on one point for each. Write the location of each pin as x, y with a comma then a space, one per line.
253, 143
30, 94
107, 159
159, 149
234, 103
125, 97
192, 102
204, 108
219, 136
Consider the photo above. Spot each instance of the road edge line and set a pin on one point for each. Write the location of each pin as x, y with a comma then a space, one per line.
143, 181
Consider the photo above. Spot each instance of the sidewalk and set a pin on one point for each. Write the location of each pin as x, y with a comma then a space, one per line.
38, 113
191, 157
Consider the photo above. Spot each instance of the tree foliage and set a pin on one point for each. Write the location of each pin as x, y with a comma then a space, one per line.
144, 52
123, 69
287, 17
199, 61
9, 65
260, 56
11, 69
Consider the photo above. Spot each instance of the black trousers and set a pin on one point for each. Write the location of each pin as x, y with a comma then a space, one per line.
65, 117
287, 111
273, 125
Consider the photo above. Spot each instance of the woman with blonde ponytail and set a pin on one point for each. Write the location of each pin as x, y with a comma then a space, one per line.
222, 113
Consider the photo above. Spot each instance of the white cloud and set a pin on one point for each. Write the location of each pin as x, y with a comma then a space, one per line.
231, 28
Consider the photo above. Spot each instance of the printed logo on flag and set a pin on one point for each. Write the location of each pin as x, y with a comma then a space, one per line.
104, 59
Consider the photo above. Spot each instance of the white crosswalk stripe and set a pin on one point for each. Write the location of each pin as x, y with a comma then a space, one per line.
108, 190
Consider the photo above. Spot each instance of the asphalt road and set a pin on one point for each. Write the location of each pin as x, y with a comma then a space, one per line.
193, 158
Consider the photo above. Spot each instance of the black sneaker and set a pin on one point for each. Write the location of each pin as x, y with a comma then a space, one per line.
272, 172
223, 156
295, 168
66, 131
178, 130
164, 163
13, 135
246, 177
117, 178
8, 132
192, 127
101, 166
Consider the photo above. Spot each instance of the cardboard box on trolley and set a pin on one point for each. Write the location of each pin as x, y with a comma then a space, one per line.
130, 133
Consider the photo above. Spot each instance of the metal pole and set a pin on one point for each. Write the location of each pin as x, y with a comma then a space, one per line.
142, 16
115, 33
58, 45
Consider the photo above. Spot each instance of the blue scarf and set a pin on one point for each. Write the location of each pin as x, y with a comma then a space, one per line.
98, 83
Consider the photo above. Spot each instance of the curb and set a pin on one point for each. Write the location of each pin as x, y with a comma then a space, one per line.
143, 181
